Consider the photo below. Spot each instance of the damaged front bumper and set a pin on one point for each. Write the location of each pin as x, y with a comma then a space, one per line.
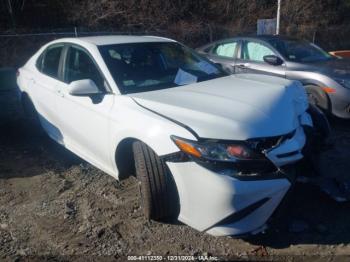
221, 203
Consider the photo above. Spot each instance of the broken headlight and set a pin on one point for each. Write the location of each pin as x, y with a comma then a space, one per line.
216, 150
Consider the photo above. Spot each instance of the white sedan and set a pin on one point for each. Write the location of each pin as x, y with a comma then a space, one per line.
215, 151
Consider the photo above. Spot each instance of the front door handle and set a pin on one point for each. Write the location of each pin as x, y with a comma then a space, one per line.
244, 65
60, 93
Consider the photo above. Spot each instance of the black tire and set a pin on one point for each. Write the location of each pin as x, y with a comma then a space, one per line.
318, 140
159, 198
320, 122
318, 97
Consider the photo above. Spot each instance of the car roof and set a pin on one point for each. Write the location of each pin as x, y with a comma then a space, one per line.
115, 39
270, 37
256, 37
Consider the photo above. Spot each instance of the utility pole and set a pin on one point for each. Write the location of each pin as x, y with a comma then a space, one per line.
278, 17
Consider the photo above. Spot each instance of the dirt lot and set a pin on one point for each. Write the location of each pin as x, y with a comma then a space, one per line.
55, 206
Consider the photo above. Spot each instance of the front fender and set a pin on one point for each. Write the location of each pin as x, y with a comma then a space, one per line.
129, 120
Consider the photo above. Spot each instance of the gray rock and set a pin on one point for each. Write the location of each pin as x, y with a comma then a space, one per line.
3, 226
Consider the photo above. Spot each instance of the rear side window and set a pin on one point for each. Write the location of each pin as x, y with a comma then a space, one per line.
51, 61
81, 66
226, 49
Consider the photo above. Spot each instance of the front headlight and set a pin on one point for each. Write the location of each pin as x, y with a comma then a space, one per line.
344, 82
217, 151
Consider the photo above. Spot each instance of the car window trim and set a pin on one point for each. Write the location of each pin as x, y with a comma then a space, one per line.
40, 58
108, 89
239, 49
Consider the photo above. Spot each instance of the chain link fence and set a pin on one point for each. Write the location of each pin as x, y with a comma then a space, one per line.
15, 49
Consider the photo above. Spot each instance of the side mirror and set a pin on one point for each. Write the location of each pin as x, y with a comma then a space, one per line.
273, 60
84, 87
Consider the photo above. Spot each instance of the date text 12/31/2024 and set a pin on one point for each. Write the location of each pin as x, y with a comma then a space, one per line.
173, 258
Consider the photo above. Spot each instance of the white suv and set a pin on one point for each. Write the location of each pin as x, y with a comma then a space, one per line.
211, 149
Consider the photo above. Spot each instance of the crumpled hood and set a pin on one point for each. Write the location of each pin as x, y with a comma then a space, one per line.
235, 107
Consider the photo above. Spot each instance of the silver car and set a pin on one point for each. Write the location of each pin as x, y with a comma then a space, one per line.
325, 77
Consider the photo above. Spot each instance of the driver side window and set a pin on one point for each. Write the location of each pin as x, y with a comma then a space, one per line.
255, 51
80, 66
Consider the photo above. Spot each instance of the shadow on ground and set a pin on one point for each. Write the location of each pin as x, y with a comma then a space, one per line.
21, 143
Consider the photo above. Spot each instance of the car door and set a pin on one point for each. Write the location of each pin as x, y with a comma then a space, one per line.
251, 59
43, 89
84, 120
225, 53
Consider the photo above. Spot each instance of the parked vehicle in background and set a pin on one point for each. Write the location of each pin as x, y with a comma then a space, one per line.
342, 53
326, 78
216, 151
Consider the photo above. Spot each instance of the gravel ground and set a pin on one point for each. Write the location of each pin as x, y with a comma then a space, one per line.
55, 206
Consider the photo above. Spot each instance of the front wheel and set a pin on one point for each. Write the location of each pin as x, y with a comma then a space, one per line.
159, 196
317, 97
320, 122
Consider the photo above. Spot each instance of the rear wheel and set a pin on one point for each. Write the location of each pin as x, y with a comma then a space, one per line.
159, 196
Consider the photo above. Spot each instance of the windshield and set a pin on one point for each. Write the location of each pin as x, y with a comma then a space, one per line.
140, 67
299, 51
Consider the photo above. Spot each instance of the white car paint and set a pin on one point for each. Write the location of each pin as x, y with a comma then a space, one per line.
210, 188
236, 107
237, 112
